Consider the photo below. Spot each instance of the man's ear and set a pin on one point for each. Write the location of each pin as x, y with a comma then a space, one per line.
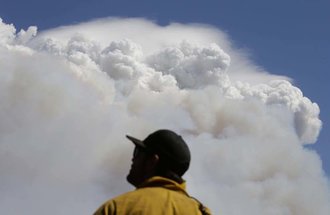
153, 161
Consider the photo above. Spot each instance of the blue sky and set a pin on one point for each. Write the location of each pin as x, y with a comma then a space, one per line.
288, 38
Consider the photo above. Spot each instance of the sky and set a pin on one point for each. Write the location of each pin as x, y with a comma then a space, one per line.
252, 42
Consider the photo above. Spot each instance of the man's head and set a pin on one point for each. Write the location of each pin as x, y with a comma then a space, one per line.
162, 153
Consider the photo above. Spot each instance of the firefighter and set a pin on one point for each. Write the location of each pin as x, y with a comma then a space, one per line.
158, 164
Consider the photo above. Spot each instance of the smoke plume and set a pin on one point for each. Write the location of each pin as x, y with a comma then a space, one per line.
70, 94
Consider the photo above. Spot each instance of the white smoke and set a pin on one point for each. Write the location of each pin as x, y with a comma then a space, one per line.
69, 95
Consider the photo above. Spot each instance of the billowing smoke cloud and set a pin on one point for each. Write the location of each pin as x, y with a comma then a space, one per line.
70, 94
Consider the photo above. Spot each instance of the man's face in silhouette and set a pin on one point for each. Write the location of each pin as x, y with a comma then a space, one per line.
140, 168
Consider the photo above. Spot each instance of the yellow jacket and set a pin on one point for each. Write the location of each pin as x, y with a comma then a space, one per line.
156, 196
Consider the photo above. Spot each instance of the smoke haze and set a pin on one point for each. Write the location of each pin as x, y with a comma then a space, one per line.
69, 96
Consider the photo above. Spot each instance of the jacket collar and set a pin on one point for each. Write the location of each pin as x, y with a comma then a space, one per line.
158, 181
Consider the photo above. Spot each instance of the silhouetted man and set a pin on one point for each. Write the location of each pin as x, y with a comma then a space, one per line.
158, 165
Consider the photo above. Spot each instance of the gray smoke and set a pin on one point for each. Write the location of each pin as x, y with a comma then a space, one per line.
70, 94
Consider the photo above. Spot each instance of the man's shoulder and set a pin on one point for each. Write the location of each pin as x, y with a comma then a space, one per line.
132, 194
145, 194
110, 206
128, 200
137, 193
